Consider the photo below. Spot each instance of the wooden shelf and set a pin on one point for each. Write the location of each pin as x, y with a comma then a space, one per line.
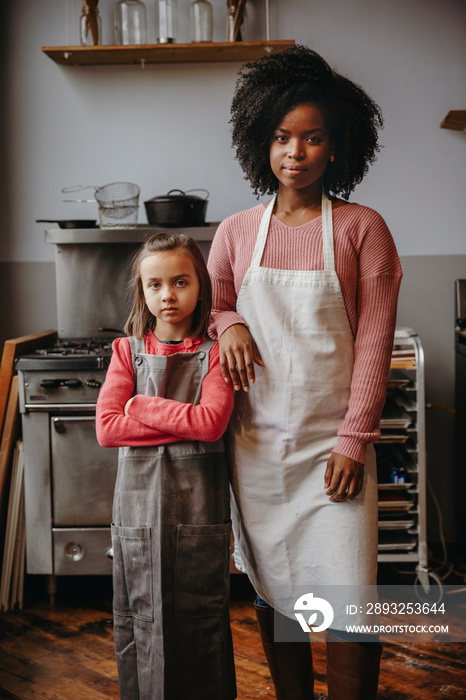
455, 119
164, 53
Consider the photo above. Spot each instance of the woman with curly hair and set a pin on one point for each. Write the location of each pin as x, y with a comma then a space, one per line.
306, 287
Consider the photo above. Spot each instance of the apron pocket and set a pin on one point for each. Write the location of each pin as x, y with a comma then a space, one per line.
132, 572
202, 574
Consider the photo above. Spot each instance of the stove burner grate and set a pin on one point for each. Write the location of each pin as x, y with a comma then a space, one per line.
86, 347
68, 354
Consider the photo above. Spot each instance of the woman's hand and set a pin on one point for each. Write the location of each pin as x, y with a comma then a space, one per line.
343, 478
238, 352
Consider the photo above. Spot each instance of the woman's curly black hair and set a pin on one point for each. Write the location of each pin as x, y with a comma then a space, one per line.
267, 89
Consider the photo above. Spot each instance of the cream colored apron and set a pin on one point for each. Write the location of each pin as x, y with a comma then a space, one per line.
288, 534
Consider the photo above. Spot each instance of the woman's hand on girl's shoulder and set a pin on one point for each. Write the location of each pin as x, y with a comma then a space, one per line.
238, 353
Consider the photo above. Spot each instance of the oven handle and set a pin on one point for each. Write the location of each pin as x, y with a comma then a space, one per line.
63, 407
58, 423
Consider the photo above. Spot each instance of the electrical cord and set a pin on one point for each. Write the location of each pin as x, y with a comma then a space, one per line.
445, 562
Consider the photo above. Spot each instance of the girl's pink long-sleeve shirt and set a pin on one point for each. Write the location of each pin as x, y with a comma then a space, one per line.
154, 420
369, 272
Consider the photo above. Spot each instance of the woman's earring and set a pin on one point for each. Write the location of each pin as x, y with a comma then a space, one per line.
332, 159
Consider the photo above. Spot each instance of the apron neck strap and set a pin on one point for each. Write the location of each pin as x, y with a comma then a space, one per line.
137, 345
327, 234
206, 345
262, 235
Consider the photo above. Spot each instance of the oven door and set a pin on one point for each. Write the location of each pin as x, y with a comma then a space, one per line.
83, 473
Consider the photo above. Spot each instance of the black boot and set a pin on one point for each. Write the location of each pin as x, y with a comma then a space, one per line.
352, 669
290, 663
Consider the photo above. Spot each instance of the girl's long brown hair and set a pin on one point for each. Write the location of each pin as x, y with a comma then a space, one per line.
140, 319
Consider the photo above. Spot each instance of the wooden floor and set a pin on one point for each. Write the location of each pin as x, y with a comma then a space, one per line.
65, 652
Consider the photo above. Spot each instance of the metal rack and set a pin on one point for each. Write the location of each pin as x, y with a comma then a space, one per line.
402, 505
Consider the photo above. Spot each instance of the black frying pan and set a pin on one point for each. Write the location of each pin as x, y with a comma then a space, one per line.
70, 223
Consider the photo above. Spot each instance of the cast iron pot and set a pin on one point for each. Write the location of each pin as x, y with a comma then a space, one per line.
180, 209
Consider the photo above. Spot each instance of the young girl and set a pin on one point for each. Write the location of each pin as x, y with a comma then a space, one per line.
165, 404
305, 286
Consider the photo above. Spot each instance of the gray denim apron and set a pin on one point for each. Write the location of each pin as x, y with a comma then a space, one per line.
171, 535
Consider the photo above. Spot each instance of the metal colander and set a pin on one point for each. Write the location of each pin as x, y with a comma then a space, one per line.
118, 204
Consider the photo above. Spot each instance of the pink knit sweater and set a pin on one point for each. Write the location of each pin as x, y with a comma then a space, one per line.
154, 420
370, 274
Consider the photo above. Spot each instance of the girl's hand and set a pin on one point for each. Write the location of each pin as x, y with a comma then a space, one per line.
343, 478
125, 410
238, 352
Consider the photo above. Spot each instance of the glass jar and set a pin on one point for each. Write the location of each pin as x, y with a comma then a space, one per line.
85, 27
201, 21
130, 22
165, 21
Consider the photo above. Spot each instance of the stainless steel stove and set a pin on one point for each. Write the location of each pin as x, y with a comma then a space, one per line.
69, 478
68, 372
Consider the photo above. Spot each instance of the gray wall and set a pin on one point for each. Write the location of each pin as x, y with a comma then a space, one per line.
167, 126
426, 304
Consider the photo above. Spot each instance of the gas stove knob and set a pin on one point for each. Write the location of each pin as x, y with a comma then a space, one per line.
93, 383
50, 383
73, 383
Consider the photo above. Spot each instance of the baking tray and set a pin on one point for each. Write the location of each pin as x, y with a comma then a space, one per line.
395, 505
390, 541
395, 524
394, 487
394, 416
389, 436
398, 379
390, 547
403, 398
